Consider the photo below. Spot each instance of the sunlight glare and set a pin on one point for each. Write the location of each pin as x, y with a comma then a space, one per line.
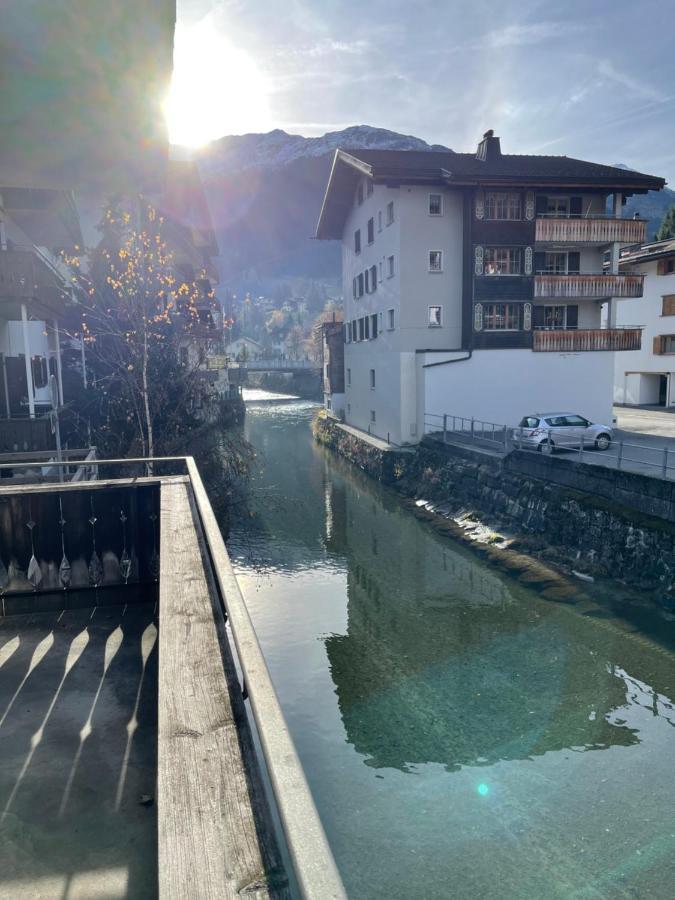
216, 89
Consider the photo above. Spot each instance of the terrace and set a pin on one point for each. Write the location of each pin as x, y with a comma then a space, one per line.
127, 652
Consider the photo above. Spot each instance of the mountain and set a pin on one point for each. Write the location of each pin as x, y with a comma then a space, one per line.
265, 193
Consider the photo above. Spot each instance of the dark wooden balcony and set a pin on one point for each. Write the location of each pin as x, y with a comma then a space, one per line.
591, 287
586, 339
590, 230
26, 278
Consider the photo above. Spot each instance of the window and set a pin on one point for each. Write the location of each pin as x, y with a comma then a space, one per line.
367, 327
380, 266
372, 379
502, 261
435, 316
349, 376
355, 287
577, 421
529, 422
556, 263
40, 374
502, 205
390, 319
557, 206
347, 332
349, 408
359, 194
371, 230
355, 335
435, 204
501, 316
435, 260
357, 241
379, 221
668, 305
369, 187
362, 330
555, 316
373, 325
390, 267
379, 321
360, 284
367, 280
390, 212
373, 279
372, 415
665, 267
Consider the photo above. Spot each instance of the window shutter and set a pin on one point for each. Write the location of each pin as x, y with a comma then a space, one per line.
529, 206
528, 260
527, 316
661, 267
539, 262
658, 345
480, 204
668, 308
538, 316
373, 279
575, 206
572, 316
541, 204
373, 325
573, 262
478, 260
478, 317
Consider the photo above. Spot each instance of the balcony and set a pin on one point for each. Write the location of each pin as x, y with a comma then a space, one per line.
590, 230
589, 287
25, 276
586, 339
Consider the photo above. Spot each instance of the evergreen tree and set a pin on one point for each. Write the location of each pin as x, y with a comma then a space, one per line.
667, 229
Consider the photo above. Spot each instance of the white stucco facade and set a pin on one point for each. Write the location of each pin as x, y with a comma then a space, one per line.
643, 377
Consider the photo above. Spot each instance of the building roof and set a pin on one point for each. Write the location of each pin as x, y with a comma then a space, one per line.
486, 167
647, 252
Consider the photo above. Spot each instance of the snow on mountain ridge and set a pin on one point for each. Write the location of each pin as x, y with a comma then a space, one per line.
278, 148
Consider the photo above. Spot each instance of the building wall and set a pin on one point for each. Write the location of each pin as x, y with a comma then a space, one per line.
630, 386
504, 385
408, 292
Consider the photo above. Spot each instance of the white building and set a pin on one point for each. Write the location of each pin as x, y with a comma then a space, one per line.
244, 348
647, 376
474, 282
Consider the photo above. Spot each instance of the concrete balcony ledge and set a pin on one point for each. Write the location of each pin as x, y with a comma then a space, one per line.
590, 230
586, 339
590, 286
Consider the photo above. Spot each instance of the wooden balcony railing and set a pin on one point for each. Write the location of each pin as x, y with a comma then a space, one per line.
586, 339
588, 286
593, 230
24, 276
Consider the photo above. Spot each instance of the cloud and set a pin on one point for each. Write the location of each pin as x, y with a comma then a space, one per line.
608, 71
326, 47
523, 35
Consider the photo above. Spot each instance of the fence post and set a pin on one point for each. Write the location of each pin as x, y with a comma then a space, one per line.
665, 462
620, 455
472, 427
445, 428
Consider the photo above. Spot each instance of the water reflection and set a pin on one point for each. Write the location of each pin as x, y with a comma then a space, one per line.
444, 714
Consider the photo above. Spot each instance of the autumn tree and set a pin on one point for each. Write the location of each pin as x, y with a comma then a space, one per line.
135, 313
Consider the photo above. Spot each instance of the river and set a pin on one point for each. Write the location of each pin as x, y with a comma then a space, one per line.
462, 737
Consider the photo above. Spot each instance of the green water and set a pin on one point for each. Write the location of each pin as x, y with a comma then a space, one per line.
462, 737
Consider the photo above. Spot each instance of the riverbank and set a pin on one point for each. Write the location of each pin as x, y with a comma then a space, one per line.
545, 533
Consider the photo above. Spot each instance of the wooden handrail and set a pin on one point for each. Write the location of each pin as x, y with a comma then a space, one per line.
591, 230
549, 284
586, 339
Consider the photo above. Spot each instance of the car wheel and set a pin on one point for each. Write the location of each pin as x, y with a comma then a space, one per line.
602, 442
547, 447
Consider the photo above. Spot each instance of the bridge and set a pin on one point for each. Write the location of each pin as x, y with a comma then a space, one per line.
281, 365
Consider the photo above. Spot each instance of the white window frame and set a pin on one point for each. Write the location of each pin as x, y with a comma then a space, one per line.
441, 210
508, 203
390, 212
497, 262
390, 319
430, 321
488, 316
391, 271
439, 267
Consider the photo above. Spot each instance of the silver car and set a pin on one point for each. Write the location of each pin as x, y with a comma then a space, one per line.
561, 430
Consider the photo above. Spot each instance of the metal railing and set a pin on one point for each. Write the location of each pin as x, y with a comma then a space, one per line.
627, 456
310, 854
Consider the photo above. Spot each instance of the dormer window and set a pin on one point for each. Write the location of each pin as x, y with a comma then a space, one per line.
503, 205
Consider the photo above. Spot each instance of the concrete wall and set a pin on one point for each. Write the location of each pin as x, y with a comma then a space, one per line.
629, 388
504, 385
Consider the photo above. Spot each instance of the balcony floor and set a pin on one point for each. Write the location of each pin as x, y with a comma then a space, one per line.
78, 735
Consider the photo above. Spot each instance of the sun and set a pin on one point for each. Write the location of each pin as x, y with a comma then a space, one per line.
216, 89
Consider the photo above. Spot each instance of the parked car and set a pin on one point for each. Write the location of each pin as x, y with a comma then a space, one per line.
561, 430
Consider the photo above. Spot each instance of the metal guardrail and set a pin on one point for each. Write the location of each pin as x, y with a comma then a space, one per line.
657, 462
312, 859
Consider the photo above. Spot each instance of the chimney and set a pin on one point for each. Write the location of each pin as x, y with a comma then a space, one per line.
489, 148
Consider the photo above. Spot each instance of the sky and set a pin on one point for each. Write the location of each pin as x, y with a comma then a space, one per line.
593, 79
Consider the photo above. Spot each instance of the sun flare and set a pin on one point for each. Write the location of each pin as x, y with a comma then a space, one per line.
216, 89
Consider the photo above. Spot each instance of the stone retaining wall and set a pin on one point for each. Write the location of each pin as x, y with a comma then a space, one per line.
613, 524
